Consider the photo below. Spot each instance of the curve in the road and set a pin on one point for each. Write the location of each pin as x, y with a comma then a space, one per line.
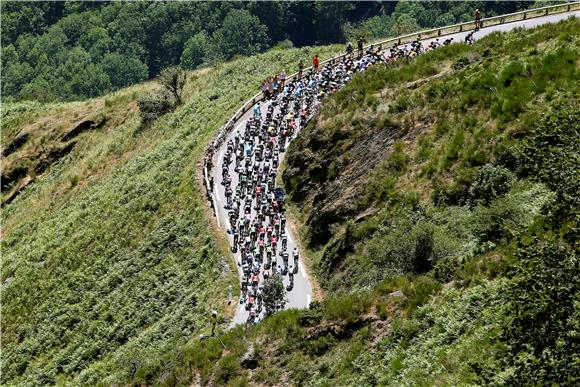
337, 72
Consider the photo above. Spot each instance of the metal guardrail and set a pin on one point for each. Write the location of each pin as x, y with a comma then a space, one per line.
403, 39
432, 33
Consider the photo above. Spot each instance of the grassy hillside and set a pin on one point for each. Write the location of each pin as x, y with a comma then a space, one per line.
108, 264
439, 201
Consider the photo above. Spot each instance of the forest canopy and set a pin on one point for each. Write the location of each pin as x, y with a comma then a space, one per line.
75, 50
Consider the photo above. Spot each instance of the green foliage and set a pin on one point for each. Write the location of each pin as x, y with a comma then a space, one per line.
240, 33
119, 269
492, 182
194, 51
153, 35
124, 70
173, 80
551, 154
274, 294
541, 332
154, 105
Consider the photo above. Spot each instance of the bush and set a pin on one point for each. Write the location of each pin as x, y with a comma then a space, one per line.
154, 105
551, 154
419, 290
543, 315
274, 294
492, 182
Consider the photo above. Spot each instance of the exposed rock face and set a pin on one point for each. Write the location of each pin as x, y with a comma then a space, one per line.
10, 177
20, 174
327, 170
84, 126
18, 141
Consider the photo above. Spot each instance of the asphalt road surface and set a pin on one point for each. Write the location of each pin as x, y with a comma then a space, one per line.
301, 295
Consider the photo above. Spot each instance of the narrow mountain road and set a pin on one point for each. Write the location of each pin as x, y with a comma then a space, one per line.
301, 294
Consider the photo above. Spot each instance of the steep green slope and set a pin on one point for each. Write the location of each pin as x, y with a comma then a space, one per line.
108, 263
404, 166
439, 200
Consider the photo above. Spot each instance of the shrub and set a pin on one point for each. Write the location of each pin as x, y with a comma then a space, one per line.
551, 154
274, 294
543, 315
492, 182
154, 105
419, 290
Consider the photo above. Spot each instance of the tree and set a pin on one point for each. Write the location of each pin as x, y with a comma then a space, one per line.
124, 70
404, 24
274, 294
194, 51
173, 80
330, 18
241, 33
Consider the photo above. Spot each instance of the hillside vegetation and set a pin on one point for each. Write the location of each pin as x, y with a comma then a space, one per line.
439, 201
107, 262
56, 50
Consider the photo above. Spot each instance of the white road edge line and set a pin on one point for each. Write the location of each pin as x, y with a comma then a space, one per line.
302, 272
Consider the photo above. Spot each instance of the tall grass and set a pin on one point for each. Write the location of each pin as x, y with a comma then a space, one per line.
108, 256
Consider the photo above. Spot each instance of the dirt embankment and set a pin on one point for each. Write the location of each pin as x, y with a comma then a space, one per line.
328, 168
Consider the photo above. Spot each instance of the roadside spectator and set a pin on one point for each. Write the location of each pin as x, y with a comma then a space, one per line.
477, 19
265, 89
349, 49
315, 63
360, 47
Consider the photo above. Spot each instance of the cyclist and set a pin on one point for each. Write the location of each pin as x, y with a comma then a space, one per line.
295, 255
257, 110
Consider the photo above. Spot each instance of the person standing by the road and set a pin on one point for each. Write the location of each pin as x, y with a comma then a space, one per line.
349, 49
360, 47
477, 19
300, 68
230, 294
315, 63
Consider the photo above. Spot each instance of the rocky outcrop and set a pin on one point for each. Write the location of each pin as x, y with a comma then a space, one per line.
83, 126
327, 170
16, 144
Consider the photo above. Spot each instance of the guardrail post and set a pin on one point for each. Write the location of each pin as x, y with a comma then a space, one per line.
546, 11
525, 15
460, 27
568, 8
438, 32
